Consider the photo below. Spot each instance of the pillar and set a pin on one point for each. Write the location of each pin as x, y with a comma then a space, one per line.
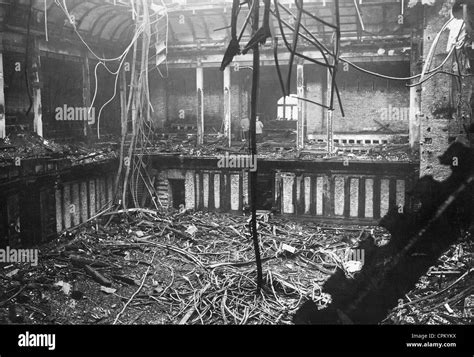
2, 99
123, 101
37, 109
227, 106
86, 90
200, 104
439, 119
300, 90
329, 115
414, 123
416, 66
2, 79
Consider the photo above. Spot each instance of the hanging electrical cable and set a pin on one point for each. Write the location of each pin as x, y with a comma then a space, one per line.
430, 56
313, 41
294, 43
138, 105
73, 23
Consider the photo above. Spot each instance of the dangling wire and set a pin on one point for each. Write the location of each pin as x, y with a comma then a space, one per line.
292, 49
295, 43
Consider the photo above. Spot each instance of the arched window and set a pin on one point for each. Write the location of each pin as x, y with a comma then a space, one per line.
287, 108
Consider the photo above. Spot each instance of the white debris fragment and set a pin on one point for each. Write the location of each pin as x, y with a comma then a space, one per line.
107, 290
192, 230
65, 287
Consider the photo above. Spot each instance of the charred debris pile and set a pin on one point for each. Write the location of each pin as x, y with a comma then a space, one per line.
186, 268
277, 147
25, 145
143, 267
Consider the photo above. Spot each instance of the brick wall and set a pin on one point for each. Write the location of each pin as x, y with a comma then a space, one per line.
61, 84
315, 78
16, 98
213, 99
174, 97
240, 90
181, 95
438, 125
158, 87
176, 93
364, 97
367, 99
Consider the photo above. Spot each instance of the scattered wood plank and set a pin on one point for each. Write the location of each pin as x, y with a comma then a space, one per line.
124, 279
187, 316
98, 277
79, 261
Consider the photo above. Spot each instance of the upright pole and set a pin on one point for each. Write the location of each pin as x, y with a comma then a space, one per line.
200, 104
2, 100
3, 132
332, 81
329, 115
227, 106
415, 92
253, 145
300, 133
86, 91
37, 108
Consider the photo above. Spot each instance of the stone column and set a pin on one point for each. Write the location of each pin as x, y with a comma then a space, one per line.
300, 90
200, 104
2, 100
227, 105
440, 121
86, 91
329, 115
37, 108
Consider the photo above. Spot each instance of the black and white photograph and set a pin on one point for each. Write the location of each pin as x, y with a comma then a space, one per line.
175, 163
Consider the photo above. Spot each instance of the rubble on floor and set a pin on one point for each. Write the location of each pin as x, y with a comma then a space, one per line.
145, 267
445, 295
27, 145
280, 149
175, 269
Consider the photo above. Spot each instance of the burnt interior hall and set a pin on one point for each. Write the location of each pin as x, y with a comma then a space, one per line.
236, 162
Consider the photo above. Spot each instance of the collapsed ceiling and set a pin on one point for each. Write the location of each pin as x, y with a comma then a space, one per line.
196, 23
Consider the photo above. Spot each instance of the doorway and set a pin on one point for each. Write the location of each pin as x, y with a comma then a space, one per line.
177, 192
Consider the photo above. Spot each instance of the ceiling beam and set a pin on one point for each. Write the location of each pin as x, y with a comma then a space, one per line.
214, 60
